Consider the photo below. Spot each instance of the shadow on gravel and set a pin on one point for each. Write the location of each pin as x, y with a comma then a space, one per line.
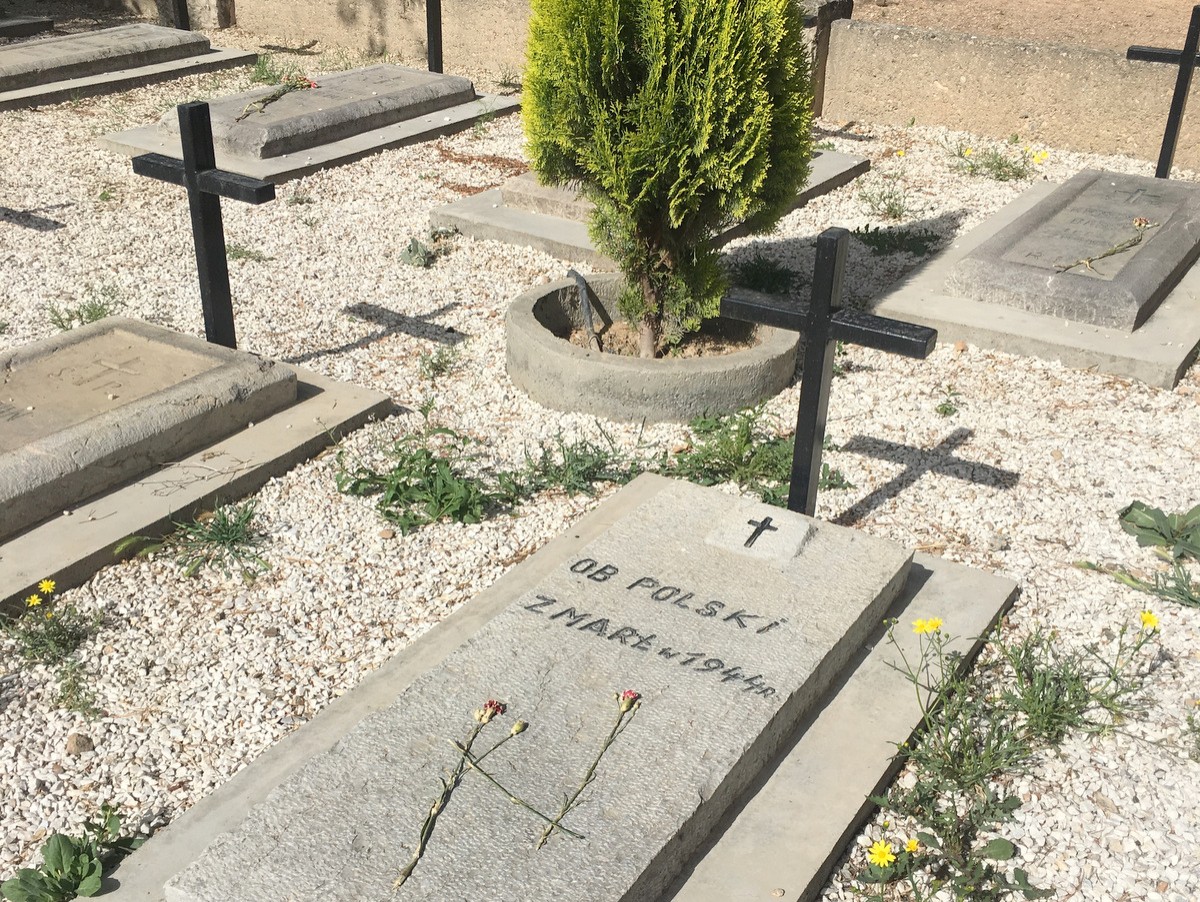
393, 323
917, 462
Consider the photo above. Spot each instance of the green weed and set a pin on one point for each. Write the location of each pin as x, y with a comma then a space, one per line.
763, 274
298, 199
1000, 165
235, 251
74, 690
918, 242
225, 539
947, 407
432, 365
886, 197
101, 301
576, 467
48, 633
268, 71
1179, 534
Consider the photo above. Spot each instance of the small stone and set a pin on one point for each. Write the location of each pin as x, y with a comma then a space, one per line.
960, 346
79, 743
1056, 454
271, 632
387, 533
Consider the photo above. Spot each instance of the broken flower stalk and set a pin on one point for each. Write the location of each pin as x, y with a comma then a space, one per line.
628, 703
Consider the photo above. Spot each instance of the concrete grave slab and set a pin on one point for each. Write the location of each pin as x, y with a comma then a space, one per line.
78, 541
786, 831
348, 116
24, 26
553, 219
1029, 263
79, 65
343, 104
729, 645
1157, 352
100, 404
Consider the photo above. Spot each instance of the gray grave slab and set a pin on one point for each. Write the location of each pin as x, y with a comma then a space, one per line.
103, 403
372, 109
1025, 265
73, 545
342, 105
729, 645
24, 26
785, 834
552, 219
1158, 352
34, 63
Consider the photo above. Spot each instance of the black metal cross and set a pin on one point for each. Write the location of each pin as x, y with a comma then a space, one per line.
759, 529
433, 34
206, 185
1186, 60
824, 324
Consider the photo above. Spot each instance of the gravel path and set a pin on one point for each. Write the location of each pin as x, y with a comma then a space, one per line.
198, 677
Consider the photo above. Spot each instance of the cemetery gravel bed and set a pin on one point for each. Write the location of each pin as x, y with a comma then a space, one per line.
197, 677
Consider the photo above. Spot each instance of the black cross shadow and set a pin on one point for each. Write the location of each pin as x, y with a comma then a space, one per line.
30, 220
917, 462
393, 323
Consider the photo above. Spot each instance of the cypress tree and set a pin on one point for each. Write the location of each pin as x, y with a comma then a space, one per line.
676, 118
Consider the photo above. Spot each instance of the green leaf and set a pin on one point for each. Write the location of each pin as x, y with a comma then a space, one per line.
27, 886
90, 884
998, 849
58, 854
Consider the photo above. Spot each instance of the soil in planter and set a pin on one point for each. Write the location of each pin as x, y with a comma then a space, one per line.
716, 338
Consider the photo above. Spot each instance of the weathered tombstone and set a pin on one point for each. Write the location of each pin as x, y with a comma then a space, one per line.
24, 26
1103, 249
554, 219
1186, 60
73, 65
268, 134
93, 407
729, 617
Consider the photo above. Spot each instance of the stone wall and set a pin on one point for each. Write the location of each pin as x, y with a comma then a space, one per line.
1069, 97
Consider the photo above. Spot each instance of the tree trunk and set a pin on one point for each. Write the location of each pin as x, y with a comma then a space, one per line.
650, 328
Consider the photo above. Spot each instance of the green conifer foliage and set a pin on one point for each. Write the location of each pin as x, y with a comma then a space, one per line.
676, 118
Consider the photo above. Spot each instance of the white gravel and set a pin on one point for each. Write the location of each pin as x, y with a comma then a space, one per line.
198, 677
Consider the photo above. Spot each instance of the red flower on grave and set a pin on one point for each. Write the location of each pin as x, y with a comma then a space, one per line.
628, 699
491, 709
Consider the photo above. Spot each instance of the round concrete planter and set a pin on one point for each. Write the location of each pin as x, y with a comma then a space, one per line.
554, 372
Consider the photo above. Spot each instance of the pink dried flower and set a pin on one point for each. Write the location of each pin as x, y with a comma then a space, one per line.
628, 699
491, 709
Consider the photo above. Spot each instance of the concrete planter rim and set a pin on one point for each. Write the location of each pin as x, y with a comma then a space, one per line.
562, 376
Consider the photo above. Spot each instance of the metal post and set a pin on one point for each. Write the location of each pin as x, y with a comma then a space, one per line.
433, 33
818, 370
1183, 82
195, 131
182, 20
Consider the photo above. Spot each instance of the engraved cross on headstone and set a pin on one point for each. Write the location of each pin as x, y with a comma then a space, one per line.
1186, 60
206, 185
760, 526
823, 325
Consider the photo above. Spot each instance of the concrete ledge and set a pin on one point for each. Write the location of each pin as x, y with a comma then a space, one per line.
490, 215
1158, 352
123, 79
1069, 97
554, 372
24, 26
791, 827
148, 139
73, 546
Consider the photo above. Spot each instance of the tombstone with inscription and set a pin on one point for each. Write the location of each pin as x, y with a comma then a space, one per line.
84, 411
1097, 272
730, 619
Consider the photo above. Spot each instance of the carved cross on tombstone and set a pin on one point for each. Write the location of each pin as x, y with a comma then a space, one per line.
206, 185
823, 325
1186, 60
760, 526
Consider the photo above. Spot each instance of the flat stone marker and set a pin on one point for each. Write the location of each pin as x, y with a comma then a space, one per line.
90, 53
342, 105
730, 617
554, 219
347, 116
1028, 264
84, 411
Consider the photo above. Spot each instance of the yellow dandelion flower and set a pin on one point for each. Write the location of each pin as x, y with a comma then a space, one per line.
899, 153
49, 615
911, 846
932, 625
880, 854
1149, 620
919, 627
46, 586
33, 601
968, 151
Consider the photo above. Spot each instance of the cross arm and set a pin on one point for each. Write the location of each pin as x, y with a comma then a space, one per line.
1155, 54
868, 330
211, 181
